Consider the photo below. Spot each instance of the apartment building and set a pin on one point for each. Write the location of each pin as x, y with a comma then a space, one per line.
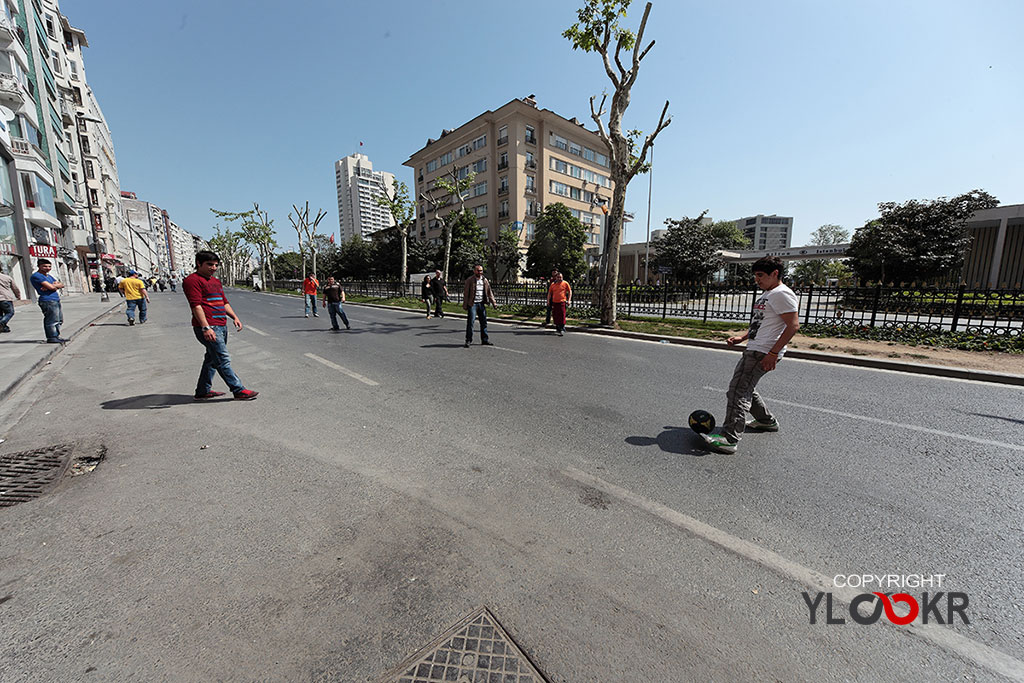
767, 232
149, 222
359, 186
47, 113
524, 158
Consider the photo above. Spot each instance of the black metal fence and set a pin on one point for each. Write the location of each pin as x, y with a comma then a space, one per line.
957, 309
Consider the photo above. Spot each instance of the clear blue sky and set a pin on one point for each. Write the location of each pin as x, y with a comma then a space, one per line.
817, 110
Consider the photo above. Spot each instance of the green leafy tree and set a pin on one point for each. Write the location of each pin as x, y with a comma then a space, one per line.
447, 190
288, 266
818, 271
558, 239
355, 258
504, 256
469, 247
916, 240
230, 246
403, 211
424, 256
386, 254
597, 30
728, 236
257, 228
689, 248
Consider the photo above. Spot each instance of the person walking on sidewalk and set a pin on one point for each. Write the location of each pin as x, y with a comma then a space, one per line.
48, 290
547, 315
334, 297
475, 296
439, 290
309, 287
134, 291
773, 323
174, 283
9, 293
425, 293
559, 298
210, 311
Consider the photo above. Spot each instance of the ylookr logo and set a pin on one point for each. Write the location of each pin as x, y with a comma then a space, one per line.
930, 606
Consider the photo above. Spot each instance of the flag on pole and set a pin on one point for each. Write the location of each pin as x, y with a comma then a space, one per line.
332, 238
360, 143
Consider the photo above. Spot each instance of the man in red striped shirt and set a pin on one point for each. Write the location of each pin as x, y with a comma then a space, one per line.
210, 311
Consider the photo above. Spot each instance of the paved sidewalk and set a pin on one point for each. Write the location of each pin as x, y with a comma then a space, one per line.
24, 348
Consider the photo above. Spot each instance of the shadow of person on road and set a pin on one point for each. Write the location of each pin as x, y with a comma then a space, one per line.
441, 346
157, 401
999, 417
124, 324
678, 440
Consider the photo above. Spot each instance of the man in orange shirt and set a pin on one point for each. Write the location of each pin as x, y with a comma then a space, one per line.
559, 298
309, 287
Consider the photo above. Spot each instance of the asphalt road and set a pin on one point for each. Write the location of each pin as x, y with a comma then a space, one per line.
387, 481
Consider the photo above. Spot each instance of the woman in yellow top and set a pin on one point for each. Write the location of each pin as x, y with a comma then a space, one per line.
559, 298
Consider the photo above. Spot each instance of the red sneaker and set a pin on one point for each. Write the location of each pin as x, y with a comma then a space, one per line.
246, 395
208, 395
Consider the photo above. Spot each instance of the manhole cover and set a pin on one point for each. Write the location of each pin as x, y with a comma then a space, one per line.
26, 475
475, 650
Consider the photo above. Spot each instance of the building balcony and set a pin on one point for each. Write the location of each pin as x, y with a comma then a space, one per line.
24, 148
531, 190
532, 213
8, 32
11, 90
502, 190
502, 165
531, 164
531, 139
503, 141
503, 214
66, 115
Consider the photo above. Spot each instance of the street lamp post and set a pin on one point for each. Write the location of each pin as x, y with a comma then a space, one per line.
650, 186
95, 235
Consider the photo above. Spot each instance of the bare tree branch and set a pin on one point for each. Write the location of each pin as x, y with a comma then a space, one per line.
644, 53
603, 51
649, 140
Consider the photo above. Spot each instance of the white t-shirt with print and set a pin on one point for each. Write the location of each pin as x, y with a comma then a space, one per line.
766, 323
479, 298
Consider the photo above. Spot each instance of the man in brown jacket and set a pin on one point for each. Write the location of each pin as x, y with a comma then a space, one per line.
475, 297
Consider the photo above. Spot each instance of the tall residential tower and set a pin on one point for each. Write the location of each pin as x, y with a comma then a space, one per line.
358, 188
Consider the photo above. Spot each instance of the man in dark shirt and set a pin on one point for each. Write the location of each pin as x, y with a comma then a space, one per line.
334, 297
48, 290
440, 291
210, 311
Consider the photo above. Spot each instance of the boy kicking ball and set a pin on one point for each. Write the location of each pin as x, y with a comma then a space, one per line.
772, 324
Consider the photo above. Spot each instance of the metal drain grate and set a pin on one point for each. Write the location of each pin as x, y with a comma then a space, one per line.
476, 650
26, 475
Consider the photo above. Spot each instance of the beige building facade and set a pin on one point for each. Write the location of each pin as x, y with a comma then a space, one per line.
525, 158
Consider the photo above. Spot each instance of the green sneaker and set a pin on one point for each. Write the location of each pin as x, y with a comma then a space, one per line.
758, 426
719, 444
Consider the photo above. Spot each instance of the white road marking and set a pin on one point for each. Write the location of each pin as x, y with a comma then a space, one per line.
259, 332
890, 423
942, 636
504, 348
346, 371
274, 303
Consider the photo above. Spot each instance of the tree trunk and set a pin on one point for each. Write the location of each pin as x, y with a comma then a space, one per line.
314, 263
447, 251
404, 236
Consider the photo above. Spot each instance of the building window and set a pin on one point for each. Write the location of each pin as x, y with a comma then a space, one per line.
530, 136
560, 189
480, 166
445, 159
56, 63
480, 211
88, 169
503, 135
530, 184
503, 209
531, 161
85, 145
503, 161
529, 231
480, 142
94, 197
50, 30
431, 165
463, 151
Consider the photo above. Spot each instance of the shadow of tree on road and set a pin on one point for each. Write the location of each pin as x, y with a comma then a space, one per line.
156, 401
678, 440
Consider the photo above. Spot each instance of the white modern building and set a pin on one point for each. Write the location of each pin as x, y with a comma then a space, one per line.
767, 232
358, 188
153, 224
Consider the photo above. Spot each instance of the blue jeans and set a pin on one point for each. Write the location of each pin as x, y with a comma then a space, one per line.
216, 360
476, 311
335, 309
52, 318
310, 301
141, 303
6, 312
